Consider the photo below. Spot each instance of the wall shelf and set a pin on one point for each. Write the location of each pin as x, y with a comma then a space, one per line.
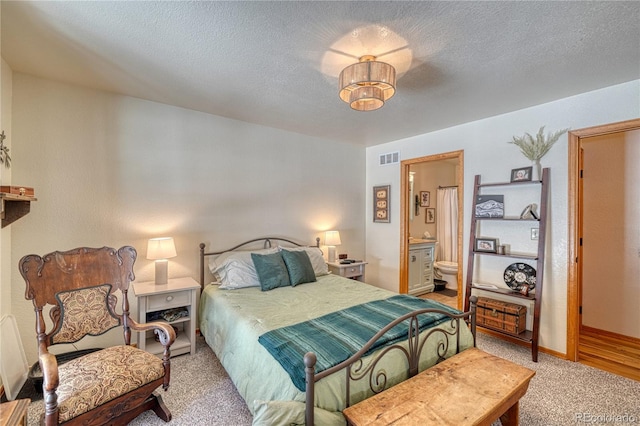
13, 207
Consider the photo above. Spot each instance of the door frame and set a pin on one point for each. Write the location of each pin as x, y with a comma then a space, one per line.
405, 166
574, 283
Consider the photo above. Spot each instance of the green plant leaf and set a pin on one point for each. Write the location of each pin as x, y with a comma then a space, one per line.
536, 148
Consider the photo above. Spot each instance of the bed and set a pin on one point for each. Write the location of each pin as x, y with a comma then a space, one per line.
239, 320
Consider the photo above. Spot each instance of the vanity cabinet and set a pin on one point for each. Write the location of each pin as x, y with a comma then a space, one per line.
421, 257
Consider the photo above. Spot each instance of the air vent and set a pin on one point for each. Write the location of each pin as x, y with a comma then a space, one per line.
390, 158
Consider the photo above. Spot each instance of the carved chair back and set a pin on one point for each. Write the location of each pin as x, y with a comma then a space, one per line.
81, 286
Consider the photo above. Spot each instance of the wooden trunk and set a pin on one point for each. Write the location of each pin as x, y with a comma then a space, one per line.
18, 190
499, 315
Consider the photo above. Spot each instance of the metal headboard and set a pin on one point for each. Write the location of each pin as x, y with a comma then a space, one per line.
266, 244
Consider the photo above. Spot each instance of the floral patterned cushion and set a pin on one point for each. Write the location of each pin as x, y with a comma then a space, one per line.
84, 311
97, 378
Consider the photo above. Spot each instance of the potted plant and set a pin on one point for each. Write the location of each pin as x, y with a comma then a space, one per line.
536, 148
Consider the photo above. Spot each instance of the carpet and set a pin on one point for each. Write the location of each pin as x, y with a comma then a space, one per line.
561, 393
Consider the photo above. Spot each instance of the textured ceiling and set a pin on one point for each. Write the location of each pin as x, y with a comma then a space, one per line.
277, 63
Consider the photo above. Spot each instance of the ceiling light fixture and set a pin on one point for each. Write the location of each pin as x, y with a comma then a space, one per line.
365, 86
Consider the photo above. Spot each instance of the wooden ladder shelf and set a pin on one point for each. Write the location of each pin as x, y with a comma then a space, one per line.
530, 337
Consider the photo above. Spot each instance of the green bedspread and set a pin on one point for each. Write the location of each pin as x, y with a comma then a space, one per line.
337, 336
232, 321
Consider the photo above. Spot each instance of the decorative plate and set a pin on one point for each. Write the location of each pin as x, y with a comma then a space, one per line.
517, 275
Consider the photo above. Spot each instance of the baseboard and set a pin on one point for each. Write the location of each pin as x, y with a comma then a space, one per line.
521, 343
610, 334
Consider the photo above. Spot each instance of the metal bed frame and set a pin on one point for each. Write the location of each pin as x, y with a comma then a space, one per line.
266, 244
356, 368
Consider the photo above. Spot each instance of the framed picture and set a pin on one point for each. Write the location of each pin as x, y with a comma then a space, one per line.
522, 174
381, 203
425, 198
430, 216
490, 206
487, 245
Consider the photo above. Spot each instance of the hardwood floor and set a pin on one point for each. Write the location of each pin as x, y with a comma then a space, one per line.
442, 298
610, 352
597, 348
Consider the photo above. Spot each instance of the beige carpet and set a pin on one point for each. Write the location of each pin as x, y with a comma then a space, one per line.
561, 393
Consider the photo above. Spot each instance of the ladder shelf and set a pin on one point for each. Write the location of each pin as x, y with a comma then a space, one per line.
534, 297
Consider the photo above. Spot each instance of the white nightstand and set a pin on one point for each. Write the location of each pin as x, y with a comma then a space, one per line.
177, 293
352, 270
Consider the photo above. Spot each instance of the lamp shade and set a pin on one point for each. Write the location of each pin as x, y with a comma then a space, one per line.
161, 248
332, 238
366, 86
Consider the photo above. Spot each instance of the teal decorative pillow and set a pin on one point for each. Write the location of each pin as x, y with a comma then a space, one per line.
299, 267
272, 272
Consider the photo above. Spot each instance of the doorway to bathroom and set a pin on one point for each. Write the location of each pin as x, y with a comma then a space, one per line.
431, 214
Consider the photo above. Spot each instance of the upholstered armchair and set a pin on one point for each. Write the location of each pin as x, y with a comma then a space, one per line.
109, 386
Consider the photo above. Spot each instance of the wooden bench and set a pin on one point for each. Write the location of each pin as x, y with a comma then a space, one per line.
470, 388
14, 413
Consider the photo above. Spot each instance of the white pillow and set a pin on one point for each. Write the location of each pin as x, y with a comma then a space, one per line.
315, 255
235, 269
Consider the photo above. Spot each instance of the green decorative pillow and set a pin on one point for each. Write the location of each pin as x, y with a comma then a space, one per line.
299, 267
272, 272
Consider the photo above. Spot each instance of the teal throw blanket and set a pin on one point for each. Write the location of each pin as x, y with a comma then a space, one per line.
337, 336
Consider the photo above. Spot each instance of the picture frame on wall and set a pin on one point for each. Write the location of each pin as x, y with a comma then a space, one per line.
486, 245
522, 174
430, 215
381, 199
425, 198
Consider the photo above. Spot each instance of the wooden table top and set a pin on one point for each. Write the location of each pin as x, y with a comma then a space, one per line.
14, 412
470, 388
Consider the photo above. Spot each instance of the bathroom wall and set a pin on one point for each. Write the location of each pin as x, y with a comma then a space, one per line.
428, 176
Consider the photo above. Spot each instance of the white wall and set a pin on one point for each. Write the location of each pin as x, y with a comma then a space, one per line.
486, 152
114, 170
5, 179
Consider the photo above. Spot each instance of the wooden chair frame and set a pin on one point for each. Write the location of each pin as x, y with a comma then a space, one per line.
82, 268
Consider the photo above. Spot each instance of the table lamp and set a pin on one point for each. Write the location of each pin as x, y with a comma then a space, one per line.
161, 249
331, 240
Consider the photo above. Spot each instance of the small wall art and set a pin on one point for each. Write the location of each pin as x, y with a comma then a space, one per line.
425, 198
381, 203
430, 216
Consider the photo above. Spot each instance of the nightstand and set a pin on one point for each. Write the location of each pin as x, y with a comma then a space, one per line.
179, 294
354, 271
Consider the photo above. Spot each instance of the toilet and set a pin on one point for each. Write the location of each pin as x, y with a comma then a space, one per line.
445, 267
447, 271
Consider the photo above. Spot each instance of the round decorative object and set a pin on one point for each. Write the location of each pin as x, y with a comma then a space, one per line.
517, 275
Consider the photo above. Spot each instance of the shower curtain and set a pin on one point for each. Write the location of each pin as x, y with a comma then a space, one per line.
447, 224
